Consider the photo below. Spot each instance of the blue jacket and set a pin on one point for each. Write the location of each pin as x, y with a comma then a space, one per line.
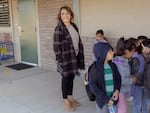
98, 86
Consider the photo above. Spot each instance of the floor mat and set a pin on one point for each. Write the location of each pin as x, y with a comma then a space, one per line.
19, 66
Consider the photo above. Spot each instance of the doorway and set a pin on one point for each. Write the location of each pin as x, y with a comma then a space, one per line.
28, 33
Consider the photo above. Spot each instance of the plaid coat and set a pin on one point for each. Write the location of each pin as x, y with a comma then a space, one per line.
67, 61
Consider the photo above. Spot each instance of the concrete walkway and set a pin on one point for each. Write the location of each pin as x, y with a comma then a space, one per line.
37, 90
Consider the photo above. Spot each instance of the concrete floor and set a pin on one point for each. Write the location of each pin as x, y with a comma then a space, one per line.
37, 90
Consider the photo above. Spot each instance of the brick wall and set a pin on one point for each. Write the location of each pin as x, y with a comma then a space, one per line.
88, 43
47, 12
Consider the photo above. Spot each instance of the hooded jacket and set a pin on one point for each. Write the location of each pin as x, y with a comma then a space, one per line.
67, 61
98, 87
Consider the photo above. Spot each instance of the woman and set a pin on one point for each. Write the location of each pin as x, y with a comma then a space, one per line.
69, 53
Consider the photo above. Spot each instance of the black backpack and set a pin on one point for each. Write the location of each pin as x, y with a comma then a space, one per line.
91, 69
134, 67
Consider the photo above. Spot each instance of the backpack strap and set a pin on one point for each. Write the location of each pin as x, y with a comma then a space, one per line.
93, 69
134, 65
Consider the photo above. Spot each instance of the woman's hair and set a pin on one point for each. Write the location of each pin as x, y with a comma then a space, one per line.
66, 8
123, 45
100, 31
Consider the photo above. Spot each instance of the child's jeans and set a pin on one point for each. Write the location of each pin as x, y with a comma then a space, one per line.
122, 103
132, 89
139, 101
144, 102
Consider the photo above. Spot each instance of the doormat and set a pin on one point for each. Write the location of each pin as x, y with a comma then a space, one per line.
19, 66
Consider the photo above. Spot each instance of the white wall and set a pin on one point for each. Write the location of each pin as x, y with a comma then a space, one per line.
15, 24
128, 18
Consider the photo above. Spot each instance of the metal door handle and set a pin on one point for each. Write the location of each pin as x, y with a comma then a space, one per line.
19, 29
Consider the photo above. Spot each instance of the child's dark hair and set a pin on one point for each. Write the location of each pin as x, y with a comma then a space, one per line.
140, 39
139, 49
146, 43
123, 44
100, 31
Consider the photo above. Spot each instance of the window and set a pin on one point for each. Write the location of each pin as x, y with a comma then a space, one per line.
4, 13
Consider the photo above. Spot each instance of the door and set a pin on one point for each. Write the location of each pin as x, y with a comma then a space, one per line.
28, 37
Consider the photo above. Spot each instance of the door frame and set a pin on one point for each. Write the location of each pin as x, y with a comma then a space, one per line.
17, 32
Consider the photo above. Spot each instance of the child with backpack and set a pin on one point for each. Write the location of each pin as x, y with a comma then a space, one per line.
137, 71
124, 50
146, 44
106, 86
99, 38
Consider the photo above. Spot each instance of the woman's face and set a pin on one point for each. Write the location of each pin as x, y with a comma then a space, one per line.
65, 16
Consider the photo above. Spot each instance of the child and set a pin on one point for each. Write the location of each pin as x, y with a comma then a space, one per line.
108, 82
146, 54
137, 71
124, 50
99, 38
139, 48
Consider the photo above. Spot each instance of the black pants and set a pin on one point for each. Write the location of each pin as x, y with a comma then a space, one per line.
67, 86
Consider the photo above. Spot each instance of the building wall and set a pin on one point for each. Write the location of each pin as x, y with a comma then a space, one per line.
128, 18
